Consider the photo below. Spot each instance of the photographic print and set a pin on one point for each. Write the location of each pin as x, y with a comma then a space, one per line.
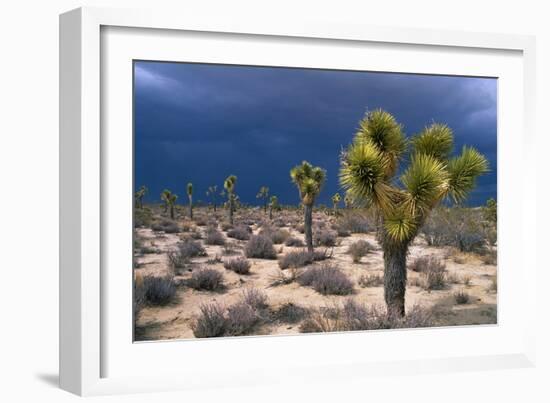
282, 200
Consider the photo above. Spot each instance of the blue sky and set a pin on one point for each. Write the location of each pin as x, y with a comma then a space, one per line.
200, 123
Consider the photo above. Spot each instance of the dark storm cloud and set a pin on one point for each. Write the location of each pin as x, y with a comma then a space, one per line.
200, 123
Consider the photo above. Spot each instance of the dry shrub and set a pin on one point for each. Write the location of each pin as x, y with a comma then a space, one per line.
206, 279
255, 298
184, 252
260, 247
241, 318
461, 297
239, 265
327, 280
296, 242
352, 316
489, 258
370, 280
166, 226
297, 259
426, 263
291, 313
359, 249
240, 232
211, 321
354, 223
158, 290
214, 237
284, 277
325, 238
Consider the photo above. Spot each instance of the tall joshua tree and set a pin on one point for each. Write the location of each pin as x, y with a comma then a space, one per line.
229, 186
169, 199
368, 170
190, 197
212, 193
309, 181
139, 196
335, 201
273, 204
264, 195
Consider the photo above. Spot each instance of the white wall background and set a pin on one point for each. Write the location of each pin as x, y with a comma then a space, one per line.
29, 196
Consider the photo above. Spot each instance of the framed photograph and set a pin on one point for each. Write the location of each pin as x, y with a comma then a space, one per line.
278, 199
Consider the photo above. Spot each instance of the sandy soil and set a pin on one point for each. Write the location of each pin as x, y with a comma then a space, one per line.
173, 321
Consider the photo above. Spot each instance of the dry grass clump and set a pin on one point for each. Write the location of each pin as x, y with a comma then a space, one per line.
297, 259
426, 263
277, 235
359, 249
184, 252
354, 223
239, 265
284, 277
214, 237
461, 297
166, 226
238, 319
326, 280
296, 242
211, 321
207, 279
352, 316
370, 280
490, 257
493, 286
240, 232
325, 238
291, 313
158, 290
260, 247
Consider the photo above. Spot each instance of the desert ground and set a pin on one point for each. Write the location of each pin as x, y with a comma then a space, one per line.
463, 292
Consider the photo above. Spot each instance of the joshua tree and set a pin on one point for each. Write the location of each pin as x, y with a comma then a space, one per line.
190, 196
348, 201
212, 193
490, 210
335, 200
263, 194
309, 180
169, 199
139, 196
367, 172
229, 186
273, 204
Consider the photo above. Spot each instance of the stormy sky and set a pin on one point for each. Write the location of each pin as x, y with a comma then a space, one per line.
200, 123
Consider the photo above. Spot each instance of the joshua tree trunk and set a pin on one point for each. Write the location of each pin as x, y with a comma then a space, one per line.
308, 210
395, 278
214, 207
190, 207
265, 207
231, 210
270, 212
172, 211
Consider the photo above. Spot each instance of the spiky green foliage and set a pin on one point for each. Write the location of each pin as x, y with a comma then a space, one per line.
430, 177
264, 195
336, 198
367, 173
309, 180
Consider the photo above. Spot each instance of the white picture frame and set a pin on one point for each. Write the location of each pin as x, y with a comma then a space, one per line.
96, 357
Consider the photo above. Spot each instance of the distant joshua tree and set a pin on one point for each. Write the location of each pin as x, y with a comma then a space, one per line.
348, 201
309, 181
229, 186
490, 210
367, 172
273, 205
264, 195
212, 193
139, 196
335, 200
190, 196
169, 199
